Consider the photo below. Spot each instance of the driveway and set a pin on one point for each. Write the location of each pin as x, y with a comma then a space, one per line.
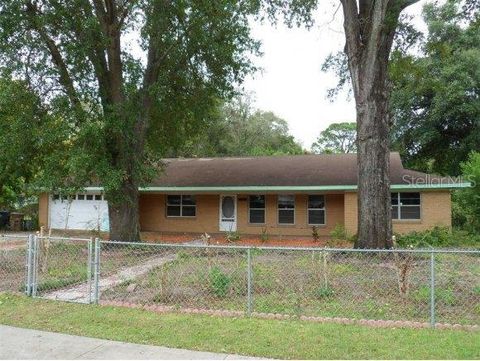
19, 343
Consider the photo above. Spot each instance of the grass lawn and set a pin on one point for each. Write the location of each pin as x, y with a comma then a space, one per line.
257, 337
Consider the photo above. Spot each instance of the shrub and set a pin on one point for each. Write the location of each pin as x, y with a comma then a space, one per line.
264, 235
233, 236
339, 232
219, 282
433, 237
324, 292
437, 237
315, 234
205, 238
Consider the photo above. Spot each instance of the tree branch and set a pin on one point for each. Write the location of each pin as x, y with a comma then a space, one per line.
353, 42
125, 9
114, 52
407, 3
57, 58
101, 14
96, 53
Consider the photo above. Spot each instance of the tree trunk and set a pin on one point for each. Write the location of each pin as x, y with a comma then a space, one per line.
369, 31
127, 151
123, 213
373, 146
373, 158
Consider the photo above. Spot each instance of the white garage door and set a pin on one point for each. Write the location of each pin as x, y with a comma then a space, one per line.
83, 211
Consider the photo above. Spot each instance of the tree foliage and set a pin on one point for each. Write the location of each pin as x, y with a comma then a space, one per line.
466, 205
436, 96
123, 108
337, 138
29, 140
238, 129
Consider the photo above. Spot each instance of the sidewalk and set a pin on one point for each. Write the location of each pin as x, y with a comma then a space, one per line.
20, 343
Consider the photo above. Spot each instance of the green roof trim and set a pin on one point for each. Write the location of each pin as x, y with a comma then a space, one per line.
431, 186
289, 188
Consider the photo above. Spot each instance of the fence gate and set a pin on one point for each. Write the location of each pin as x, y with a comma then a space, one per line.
60, 268
12, 262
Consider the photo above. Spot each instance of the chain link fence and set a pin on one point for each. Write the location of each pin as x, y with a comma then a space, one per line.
415, 285
62, 269
13, 262
434, 286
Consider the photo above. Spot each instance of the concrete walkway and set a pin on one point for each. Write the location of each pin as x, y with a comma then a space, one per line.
79, 293
19, 343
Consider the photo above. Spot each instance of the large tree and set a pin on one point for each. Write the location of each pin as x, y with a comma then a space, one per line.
120, 103
436, 92
337, 138
370, 27
238, 128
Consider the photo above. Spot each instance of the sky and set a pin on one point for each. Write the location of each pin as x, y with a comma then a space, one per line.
292, 84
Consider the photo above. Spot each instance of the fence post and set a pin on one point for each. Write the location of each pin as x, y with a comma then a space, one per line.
29, 265
432, 289
34, 278
249, 282
96, 273
89, 270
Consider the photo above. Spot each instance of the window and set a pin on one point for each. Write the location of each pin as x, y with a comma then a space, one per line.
286, 209
406, 205
181, 206
316, 210
89, 197
256, 209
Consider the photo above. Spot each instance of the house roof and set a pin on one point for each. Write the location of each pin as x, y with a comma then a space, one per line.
325, 172
295, 172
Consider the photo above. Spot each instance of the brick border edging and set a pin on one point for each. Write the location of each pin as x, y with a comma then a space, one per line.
279, 316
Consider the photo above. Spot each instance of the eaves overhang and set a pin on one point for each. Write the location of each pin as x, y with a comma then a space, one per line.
322, 188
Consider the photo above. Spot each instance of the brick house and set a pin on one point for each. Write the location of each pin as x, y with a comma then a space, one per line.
282, 195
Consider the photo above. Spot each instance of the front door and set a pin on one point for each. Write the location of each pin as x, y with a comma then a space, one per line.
228, 213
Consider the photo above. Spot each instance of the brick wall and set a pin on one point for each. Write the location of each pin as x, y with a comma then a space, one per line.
350, 212
43, 210
436, 210
340, 209
153, 218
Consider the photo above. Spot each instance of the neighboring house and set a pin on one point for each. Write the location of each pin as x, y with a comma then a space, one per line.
283, 195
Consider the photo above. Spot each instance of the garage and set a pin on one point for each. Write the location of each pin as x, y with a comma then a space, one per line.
84, 211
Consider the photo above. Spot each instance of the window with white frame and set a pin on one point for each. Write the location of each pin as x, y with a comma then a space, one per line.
316, 210
89, 197
181, 206
286, 209
406, 205
256, 209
